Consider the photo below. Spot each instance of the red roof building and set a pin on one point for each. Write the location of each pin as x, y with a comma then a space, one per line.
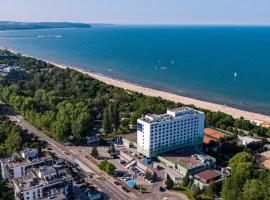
208, 175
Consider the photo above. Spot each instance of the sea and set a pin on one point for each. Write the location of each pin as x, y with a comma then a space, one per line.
229, 65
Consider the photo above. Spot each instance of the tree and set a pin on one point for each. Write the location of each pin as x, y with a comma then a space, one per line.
28, 104
268, 133
102, 165
53, 155
254, 190
149, 176
185, 181
81, 126
242, 159
169, 183
115, 115
196, 194
5, 192
60, 130
106, 123
242, 170
125, 122
211, 189
110, 168
112, 149
13, 142
94, 152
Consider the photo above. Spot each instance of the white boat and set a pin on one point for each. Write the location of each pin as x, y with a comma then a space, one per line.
235, 75
49, 36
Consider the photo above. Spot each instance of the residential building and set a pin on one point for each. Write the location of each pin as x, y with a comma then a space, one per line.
2, 67
18, 164
203, 178
14, 73
245, 140
45, 182
178, 128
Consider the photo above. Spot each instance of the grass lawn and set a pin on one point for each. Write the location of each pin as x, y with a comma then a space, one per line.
184, 190
189, 193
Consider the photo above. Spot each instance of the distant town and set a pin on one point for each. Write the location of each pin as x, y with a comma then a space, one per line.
65, 135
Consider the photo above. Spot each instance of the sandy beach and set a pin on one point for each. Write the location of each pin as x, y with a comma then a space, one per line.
236, 113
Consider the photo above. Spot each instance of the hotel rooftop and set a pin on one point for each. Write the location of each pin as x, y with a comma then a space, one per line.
171, 114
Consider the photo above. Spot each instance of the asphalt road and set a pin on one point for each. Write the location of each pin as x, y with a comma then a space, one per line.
106, 184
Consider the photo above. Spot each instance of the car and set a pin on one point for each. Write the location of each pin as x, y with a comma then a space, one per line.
120, 175
90, 176
124, 188
122, 162
116, 183
162, 189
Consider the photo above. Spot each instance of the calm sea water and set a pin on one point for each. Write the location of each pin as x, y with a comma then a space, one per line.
194, 61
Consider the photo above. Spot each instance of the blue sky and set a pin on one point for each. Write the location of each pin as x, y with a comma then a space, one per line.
139, 11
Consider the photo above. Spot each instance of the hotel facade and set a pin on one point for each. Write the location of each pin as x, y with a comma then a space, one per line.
178, 128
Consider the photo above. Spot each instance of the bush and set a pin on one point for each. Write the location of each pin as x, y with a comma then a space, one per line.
108, 167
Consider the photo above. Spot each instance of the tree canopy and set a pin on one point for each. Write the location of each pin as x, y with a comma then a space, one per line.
64, 103
248, 181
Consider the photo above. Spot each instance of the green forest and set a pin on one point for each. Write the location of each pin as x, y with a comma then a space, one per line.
248, 180
11, 139
67, 104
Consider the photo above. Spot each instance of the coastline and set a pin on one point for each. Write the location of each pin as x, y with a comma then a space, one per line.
235, 112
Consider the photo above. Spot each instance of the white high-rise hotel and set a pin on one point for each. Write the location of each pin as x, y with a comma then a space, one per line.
181, 127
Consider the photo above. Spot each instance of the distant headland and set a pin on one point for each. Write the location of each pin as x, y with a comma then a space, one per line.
11, 25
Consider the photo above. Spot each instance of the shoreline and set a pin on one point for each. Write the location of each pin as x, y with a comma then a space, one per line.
235, 112
254, 117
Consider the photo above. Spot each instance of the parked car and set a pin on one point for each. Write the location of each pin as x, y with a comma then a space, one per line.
124, 188
162, 189
116, 183
122, 162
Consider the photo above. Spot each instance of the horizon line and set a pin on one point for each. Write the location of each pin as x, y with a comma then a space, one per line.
146, 24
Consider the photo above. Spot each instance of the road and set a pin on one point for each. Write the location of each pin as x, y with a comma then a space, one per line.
105, 184
103, 181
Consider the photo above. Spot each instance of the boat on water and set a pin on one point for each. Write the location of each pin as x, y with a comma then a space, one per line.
235, 75
49, 36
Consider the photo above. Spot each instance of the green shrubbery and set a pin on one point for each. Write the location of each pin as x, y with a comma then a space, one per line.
108, 167
248, 181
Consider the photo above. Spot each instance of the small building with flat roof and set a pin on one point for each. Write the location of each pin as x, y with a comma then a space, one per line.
187, 161
245, 140
130, 140
14, 73
203, 178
